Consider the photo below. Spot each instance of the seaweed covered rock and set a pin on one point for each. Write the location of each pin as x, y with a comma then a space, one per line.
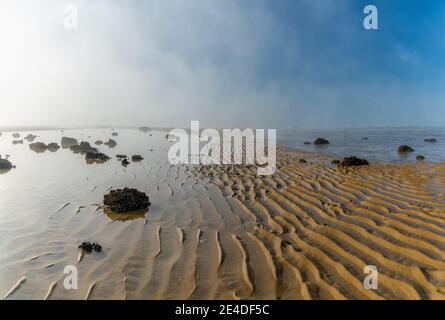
53, 147
83, 148
68, 142
125, 200
110, 143
353, 161
319, 141
137, 158
96, 157
5, 164
30, 137
405, 149
38, 147
89, 247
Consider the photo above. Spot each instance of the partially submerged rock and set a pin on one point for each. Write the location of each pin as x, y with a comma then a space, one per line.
96, 157
98, 143
121, 156
353, 161
115, 134
145, 129
405, 149
90, 247
365, 138
335, 161
68, 142
125, 162
321, 141
420, 157
53, 147
307, 142
38, 147
16, 135
430, 140
110, 143
125, 200
137, 158
30, 137
17, 141
83, 148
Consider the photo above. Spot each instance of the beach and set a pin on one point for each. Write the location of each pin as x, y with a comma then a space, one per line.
217, 231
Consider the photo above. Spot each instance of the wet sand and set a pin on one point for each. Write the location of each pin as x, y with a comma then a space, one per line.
222, 232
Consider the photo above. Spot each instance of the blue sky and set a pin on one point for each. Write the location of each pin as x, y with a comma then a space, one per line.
258, 63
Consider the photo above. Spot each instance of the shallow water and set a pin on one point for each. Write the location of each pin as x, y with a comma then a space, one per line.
381, 145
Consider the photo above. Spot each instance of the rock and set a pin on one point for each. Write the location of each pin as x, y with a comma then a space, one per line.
353, 161
125, 200
335, 161
16, 135
321, 141
404, 149
67, 142
98, 143
365, 138
110, 143
430, 140
30, 137
144, 129
115, 134
83, 148
420, 157
38, 147
53, 147
125, 162
302, 161
307, 142
121, 156
89, 247
5, 164
137, 158
17, 141
96, 157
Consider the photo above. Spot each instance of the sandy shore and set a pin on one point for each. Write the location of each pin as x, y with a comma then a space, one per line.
306, 232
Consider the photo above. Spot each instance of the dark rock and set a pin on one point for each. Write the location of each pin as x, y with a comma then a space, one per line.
17, 141
137, 158
125, 162
335, 161
125, 200
431, 140
302, 161
16, 135
38, 147
145, 129
121, 156
115, 134
353, 161
89, 247
30, 137
307, 142
110, 143
98, 143
83, 148
321, 141
67, 142
5, 164
53, 147
420, 157
96, 157
404, 149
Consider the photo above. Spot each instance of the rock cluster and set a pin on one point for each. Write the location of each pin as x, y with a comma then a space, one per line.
321, 141
353, 161
125, 200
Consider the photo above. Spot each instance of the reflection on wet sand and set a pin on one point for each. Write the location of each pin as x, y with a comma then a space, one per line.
127, 216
